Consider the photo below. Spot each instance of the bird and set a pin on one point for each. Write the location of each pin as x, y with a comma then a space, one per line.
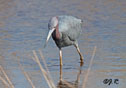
65, 30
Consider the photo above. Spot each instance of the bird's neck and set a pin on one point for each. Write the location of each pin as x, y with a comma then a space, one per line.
57, 32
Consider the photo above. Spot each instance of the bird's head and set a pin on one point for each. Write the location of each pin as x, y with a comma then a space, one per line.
52, 25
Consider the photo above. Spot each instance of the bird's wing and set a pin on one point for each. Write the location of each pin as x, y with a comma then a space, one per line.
70, 26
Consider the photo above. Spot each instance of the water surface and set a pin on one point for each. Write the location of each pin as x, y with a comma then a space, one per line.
23, 28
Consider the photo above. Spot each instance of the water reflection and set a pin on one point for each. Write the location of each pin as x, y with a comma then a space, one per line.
66, 84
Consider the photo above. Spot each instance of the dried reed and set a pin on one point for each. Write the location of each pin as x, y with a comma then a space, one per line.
7, 78
89, 68
5, 82
29, 80
25, 73
27, 76
45, 74
44, 61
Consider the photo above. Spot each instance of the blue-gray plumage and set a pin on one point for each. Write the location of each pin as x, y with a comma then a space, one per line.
69, 28
65, 31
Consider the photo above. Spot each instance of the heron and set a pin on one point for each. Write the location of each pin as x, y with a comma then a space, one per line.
65, 31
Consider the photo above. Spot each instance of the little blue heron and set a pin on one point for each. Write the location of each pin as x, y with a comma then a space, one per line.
65, 31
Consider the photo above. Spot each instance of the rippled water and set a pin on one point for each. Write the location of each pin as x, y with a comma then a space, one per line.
23, 28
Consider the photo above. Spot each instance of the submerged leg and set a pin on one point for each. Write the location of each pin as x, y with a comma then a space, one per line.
78, 50
61, 64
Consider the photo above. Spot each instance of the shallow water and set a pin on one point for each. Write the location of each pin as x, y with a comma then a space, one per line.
23, 28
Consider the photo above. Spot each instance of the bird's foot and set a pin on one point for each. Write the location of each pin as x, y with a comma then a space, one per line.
81, 61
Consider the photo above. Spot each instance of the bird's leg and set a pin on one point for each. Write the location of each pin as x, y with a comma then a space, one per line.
78, 50
78, 75
61, 64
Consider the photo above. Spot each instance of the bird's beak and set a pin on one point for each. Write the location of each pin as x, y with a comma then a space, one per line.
49, 35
